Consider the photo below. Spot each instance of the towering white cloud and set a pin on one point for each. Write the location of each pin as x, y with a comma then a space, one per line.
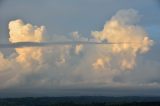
123, 28
73, 65
20, 32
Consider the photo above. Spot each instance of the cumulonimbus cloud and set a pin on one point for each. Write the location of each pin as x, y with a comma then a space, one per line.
122, 28
69, 65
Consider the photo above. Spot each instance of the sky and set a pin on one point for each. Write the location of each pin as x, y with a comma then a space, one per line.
129, 69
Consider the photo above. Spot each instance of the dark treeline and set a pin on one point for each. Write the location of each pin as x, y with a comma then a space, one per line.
81, 101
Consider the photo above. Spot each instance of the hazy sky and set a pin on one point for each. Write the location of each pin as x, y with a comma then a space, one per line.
64, 70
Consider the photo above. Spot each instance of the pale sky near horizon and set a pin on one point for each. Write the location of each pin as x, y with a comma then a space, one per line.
79, 69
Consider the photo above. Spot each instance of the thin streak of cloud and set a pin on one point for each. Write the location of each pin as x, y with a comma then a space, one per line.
47, 44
